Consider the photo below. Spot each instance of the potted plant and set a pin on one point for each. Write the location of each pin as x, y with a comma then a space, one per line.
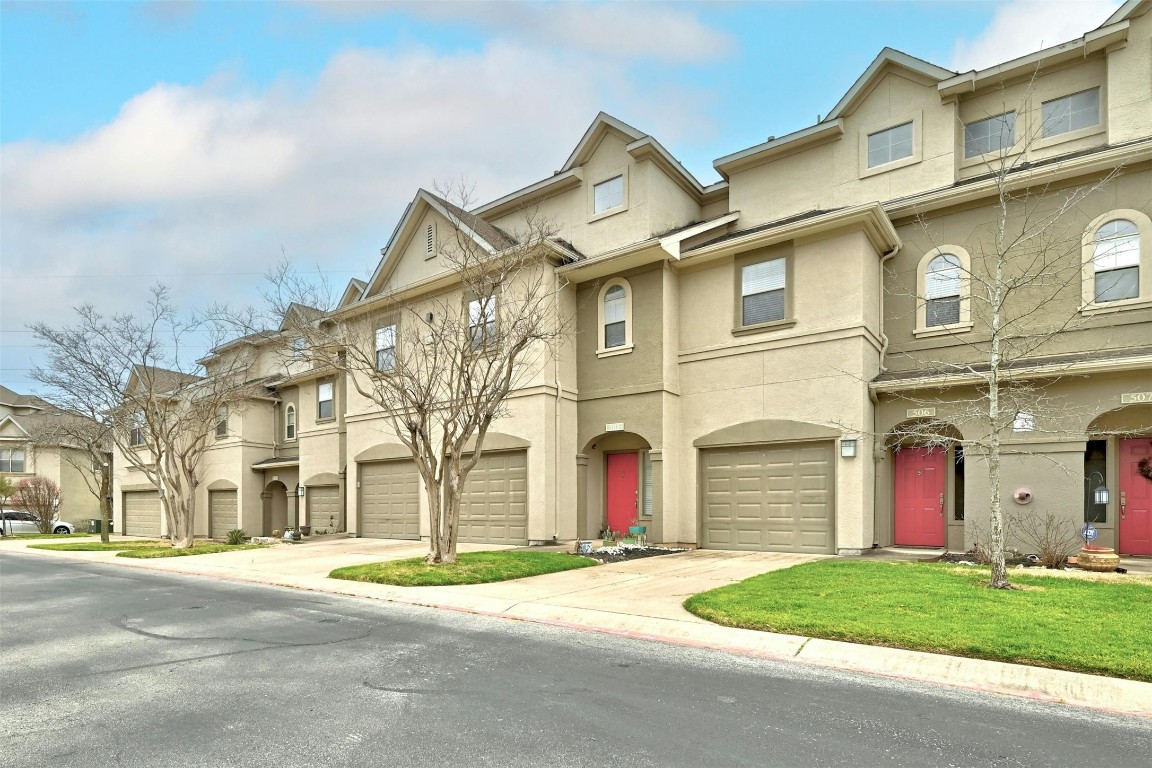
291, 534
610, 536
305, 530
637, 531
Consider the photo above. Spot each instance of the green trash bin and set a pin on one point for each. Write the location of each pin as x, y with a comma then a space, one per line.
94, 526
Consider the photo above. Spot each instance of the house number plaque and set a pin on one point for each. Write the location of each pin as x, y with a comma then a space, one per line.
1136, 397
915, 413
617, 427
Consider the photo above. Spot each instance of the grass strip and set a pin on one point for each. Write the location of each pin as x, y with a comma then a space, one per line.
469, 568
148, 553
1093, 626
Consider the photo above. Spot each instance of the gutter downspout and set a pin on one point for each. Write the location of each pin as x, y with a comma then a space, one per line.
872, 395
556, 415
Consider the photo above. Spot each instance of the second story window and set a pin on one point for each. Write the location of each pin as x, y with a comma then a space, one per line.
482, 321
615, 325
1071, 113
889, 145
222, 421
1116, 261
136, 435
325, 405
608, 195
762, 287
993, 134
11, 459
386, 348
942, 284
290, 422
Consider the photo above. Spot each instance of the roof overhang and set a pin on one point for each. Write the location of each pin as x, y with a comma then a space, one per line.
1114, 365
278, 463
870, 219
558, 182
805, 138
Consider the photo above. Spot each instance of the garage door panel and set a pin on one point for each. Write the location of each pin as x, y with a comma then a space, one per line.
222, 513
390, 500
494, 506
771, 497
142, 513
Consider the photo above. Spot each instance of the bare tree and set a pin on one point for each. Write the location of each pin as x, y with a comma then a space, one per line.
1023, 285
6, 491
41, 497
441, 365
161, 409
85, 444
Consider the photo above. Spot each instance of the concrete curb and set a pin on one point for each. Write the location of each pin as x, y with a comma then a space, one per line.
1127, 697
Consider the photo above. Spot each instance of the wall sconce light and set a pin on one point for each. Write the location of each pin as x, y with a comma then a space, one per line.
848, 449
299, 490
1100, 495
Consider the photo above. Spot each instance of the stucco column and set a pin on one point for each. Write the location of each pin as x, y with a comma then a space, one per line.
657, 525
582, 531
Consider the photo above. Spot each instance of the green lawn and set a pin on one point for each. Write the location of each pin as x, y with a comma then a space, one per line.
1099, 627
469, 568
147, 553
97, 546
26, 536
146, 549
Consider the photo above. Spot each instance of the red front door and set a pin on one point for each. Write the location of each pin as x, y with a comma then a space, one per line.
920, 497
1135, 497
622, 490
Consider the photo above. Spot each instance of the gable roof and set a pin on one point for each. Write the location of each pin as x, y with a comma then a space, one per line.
1129, 10
603, 124
886, 60
352, 293
490, 238
16, 400
163, 379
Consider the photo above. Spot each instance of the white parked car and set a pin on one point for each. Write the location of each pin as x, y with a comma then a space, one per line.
15, 521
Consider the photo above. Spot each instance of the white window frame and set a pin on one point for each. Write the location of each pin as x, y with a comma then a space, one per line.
1046, 122
136, 436
8, 457
222, 422
1008, 118
386, 342
320, 400
627, 346
964, 324
785, 266
482, 308
290, 422
621, 174
1089, 305
916, 118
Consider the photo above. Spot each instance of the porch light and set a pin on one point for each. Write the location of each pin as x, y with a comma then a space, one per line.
1100, 495
299, 490
848, 449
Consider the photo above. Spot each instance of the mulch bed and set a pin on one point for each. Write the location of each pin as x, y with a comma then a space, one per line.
626, 552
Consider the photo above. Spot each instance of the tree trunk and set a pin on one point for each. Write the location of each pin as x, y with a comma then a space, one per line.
105, 504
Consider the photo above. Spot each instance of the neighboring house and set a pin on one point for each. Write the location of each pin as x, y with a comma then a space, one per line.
30, 445
747, 352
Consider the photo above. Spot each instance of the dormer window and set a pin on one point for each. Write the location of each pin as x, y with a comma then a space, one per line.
890, 145
1071, 113
992, 134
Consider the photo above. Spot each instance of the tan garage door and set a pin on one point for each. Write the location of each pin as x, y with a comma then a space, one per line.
390, 500
773, 498
221, 513
142, 513
494, 507
324, 507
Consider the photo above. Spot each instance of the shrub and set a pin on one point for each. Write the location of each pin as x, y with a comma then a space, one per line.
236, 536
1050, 536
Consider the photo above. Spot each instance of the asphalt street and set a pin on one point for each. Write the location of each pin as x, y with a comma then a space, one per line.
104, 666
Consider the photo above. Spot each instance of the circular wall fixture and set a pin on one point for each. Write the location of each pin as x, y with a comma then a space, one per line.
1022, 496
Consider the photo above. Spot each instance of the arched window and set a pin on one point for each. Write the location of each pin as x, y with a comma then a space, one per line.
290, 422
1116, 261
942, 291
615, 318
615, 325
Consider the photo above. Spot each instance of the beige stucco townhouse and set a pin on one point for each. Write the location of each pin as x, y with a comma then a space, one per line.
748, 355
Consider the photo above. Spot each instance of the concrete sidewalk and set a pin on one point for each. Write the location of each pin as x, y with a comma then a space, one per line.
641, 598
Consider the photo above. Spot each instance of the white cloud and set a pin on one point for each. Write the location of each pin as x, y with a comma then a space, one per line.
1020, 27
200, 185
648, 30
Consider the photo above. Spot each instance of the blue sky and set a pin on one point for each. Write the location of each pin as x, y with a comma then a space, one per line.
194, 142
